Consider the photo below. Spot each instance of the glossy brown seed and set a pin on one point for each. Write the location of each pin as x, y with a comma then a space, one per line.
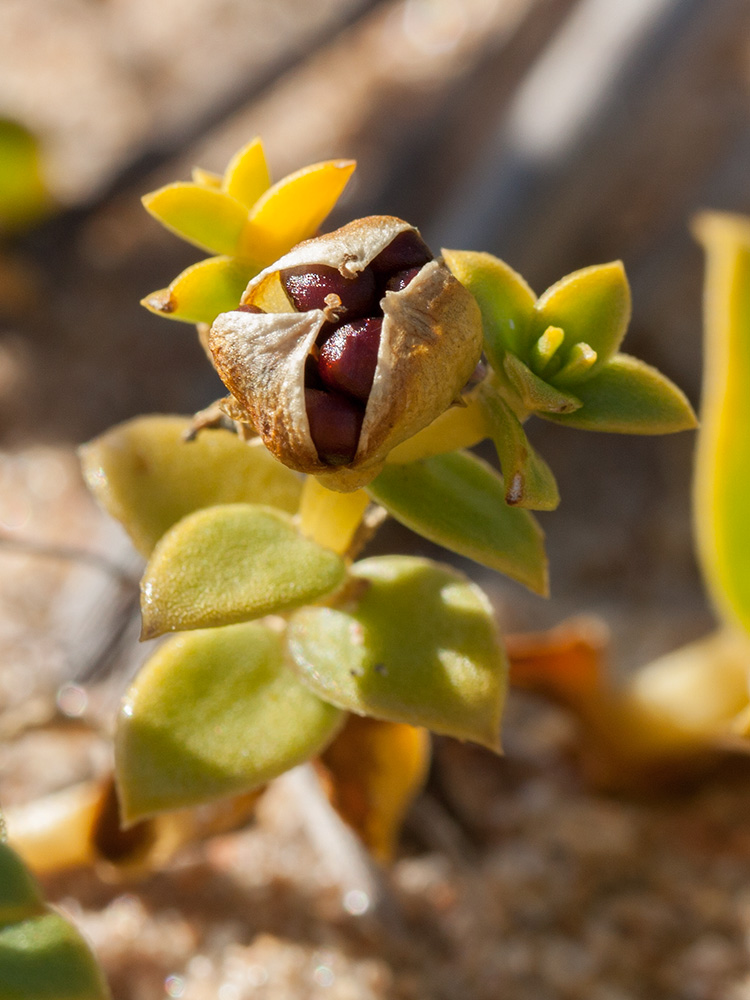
249, 309
312, 375
398, 281
335, 422
349, 357
309, 288
407, 250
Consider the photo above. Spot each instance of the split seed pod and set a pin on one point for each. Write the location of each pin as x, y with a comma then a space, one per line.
347, 346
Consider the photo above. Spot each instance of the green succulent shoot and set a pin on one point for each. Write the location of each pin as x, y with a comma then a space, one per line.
693, 702
352, 368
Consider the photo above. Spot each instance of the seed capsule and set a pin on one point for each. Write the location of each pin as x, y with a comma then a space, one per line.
329, 392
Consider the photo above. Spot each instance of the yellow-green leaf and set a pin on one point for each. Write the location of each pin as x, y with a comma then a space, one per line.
293, 209
246, 178
207, 218
457, 427
695, 691
627, 396
537, 395
505, 300
23, 194
528, 479
229, 564
20, 896
45, 958
458, 501
591, 305
202, 291
148, 477
419, 645
721, 484
328, 518
374, 770
212, 714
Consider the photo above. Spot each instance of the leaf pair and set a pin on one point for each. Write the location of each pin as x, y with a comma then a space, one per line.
221, 711
245, 220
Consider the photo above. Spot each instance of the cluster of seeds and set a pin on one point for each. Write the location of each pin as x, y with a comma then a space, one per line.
341, 367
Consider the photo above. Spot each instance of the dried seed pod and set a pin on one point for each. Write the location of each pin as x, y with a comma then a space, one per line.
430, 340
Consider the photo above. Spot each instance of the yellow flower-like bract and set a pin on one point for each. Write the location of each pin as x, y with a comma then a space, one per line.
244, 219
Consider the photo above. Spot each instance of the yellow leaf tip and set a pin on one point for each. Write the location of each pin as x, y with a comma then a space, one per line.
161, 302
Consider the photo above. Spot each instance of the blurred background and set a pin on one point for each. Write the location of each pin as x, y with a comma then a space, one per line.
554, 133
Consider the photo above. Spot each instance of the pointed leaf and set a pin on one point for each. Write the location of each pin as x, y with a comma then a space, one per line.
328, 518
207, 178
203, 216
591, 305
458, 501
628, 396
45, 958
293, 209
20, 896
246, 178
528, 479
229, 564
457, 427
505, 300
537, 395
148, 477
722, 471
419, 646
202, 291
374, 770
211, 714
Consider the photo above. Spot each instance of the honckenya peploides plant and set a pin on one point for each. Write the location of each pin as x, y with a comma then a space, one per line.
360, 366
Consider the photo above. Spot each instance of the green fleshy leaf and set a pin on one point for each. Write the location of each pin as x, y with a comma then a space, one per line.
205, 217
505, 300
45, 958
537, 395
721, 481
628, 396
212, 714
458, 501
591, 305
202, 291
229, 564
419, 646
147, 477
529, 480
20, 896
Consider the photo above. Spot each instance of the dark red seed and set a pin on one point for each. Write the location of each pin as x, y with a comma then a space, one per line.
405, 251
335, 422
398, 281
308, 288
312, 375
349, 357
249, 309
